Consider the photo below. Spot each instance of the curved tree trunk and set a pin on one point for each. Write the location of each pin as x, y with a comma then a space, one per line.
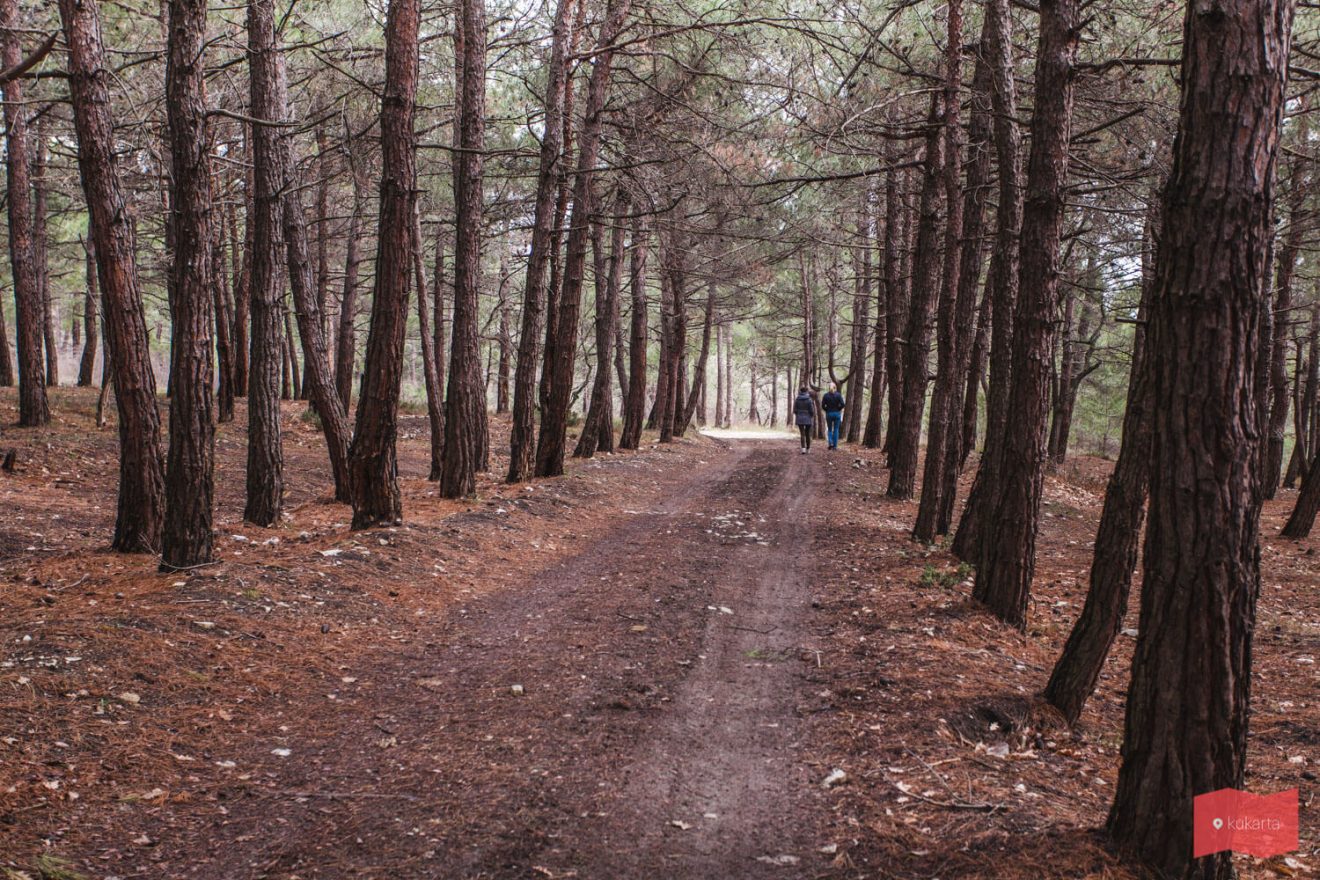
372, 462
141, 472
187, 538
1118, 537
435, 391
598, 427
1185, 730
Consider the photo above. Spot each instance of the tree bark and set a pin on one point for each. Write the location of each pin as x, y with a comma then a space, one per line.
634, 409
1078, 668
1287, 270
141, 472
1008, 558
265, 455
861, 329
33, 407
521, 439
435, 392
187, 538
41, 256
223, 321
916, 337
1186, 725
91, 322
1004, 270
465, 401
895, 306
346, 338
553, 437
373, 467
598, 427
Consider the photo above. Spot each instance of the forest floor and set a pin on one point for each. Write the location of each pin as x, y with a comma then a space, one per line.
711, 659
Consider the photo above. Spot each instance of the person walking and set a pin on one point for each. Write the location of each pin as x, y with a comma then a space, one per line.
804, 416
833, 405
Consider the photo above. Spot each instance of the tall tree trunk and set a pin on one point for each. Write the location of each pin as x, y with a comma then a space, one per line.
975, 373
290, 353
971, 251
1287, 270
916, 338
223, 320
435, 392
521, 439
1004, 270
187, 538
243, 276
6, 357
553, 437
505, 344
723, 407
265, 455
1003, 574
1078, 668
465, 401
91, 322
634, 408
598, 427
441, 349
41, 256
950, 320
141, 472
896, 296
861, 329
1304, 510
346, 337
372, 460
323, 230
33, 407
1185, 731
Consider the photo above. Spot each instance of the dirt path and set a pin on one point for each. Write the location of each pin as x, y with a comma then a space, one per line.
630, 712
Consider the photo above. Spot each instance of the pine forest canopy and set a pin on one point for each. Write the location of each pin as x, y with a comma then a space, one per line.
1001, 227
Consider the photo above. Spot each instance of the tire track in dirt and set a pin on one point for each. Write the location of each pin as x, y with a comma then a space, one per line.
639, 702
726, 760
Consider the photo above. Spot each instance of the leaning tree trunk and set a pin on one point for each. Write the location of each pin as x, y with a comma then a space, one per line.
1185, 731
916, 337
141, 474
1008, 558
634, 408
187, 539
522, 450
91, 322
551, 442
33, 407
265, 455
1116, 541
373, 469
465, 401
1004, 269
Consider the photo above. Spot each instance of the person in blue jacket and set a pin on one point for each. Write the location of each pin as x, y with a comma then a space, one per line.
833, 405
804, 416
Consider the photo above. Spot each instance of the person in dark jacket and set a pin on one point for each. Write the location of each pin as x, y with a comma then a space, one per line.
833, 405
804, 416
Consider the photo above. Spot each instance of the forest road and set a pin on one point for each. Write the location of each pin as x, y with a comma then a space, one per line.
638, 710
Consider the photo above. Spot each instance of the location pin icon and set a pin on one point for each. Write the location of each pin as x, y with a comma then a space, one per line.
1218, 823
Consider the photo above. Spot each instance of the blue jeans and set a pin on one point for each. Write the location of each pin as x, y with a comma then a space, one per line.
832, 422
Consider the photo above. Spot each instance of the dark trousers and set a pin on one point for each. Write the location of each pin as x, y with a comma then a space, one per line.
805, 431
